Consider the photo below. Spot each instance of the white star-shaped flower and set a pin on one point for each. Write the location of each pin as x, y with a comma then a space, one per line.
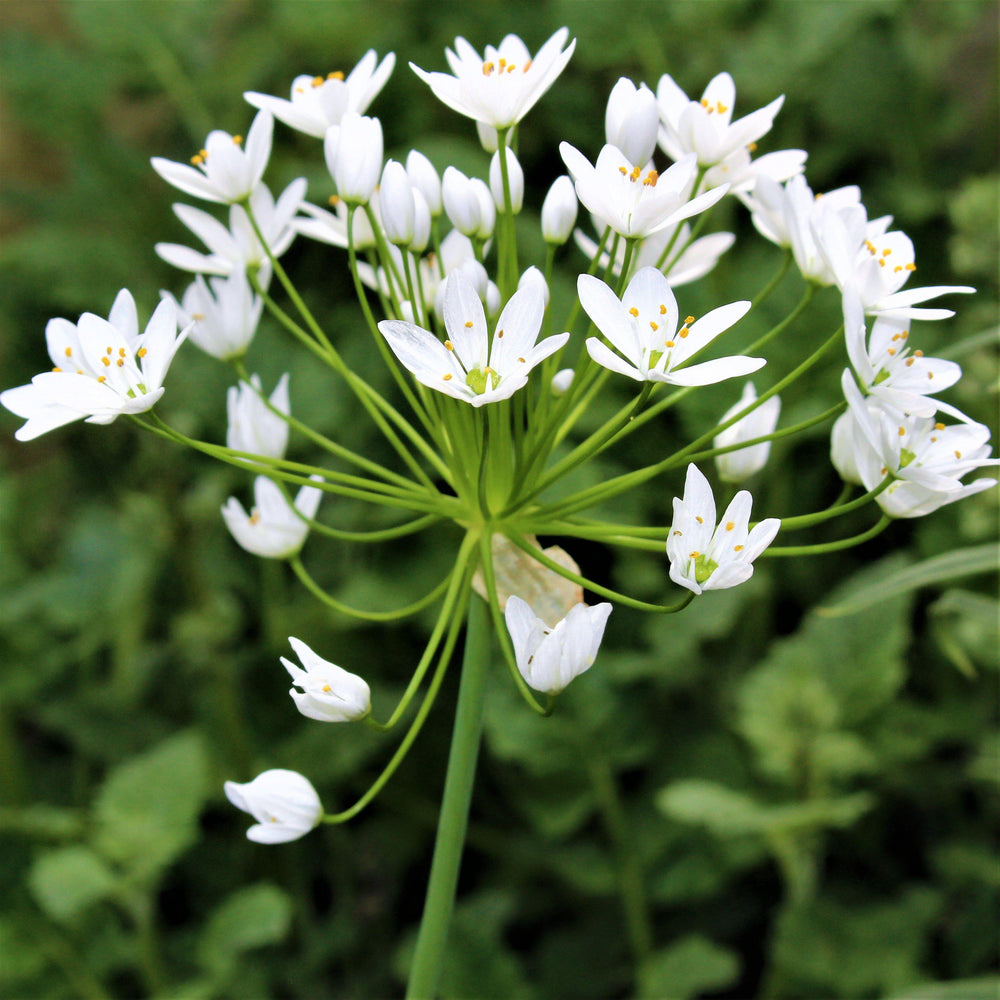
642, 327
272, 529
705, 557
284, 803
500, 87
466, 365
329, 693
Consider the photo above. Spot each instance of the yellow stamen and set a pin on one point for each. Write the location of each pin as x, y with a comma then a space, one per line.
499, 334
68, 352
237, 140
523, 362
448, 377
141, 353
670, 343
57, 369
102, 378
333, 200
939, 427
488, 68
106, 362
910, 267
699, 519
651, 178
633, 311
688, 320
737, 548
654, 326
468, 324
449, 345
317, 81
335, 75
730, 525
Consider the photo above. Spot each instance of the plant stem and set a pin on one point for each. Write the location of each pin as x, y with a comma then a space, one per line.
454, 815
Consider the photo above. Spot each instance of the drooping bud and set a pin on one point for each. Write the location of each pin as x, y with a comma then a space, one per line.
559, 211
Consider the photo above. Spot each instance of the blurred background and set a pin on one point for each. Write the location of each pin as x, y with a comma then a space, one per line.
755, 798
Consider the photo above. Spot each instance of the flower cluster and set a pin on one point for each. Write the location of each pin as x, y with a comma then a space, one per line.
492, 387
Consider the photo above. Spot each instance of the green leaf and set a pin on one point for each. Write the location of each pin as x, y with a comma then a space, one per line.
691, 965
986, 988
252, 917
147, 809
958, 563
66, 881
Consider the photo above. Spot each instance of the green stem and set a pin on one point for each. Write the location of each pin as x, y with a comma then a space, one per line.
824, 547
454, 815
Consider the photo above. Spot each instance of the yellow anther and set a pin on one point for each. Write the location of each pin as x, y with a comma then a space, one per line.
488, 68
511, 68
958, 454
910, 267
918, 353
886, 251
870, 246
255, 516
654, 326
335, 75
730, 525
523, 362
121, 352
108, 350
669, 343
881, 262
326, 689
237, 140
663, 309
678, 533
102, 378
197, 160
503, 65
897, 269
751, 147
447, 378
890, 351
939, 426
526, 66
633, 311
141, 353
120, 362
897, 336
688, 320
197, 317
635, 174
57, 369
699, 519
300, 90
468, 324
106, 362
499, 334
694, 554
720, 107
651, 178
902, 432
933, 438
737, 548
909, 362
449, 345
68, 352
622, 170
704, 103
683, 332
333, 200
930, 374
317, 81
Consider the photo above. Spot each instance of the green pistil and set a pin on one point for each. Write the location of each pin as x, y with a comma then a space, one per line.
476, 380
881, 377
704, 568
654, 357
905, 457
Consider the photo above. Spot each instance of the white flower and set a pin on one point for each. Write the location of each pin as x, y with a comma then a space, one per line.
920, 450
102, 369
223, 171
237, 248
559, 211
224, 317
876, 265
317, 102
706, 127
515, 179
548, 658
284, 804
887, 368
741, 172
790, 215
735, 466
632, 200
353, 151
253, 427
459, 367
642, 327
703, 557
632, 120
329, 693
501, 87
272, 530
686, 262
396, 204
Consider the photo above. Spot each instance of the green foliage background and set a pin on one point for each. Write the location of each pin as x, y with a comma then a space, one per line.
808, 801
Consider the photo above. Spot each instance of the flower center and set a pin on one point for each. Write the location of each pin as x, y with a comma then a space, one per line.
477, 377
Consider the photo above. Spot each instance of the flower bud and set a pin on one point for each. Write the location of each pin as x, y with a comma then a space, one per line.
395, 196
284, 804
421, 223
425, 179
735, 466
632, 121
253, 427
329, 693
532, 276
515, 178
461, 202
559, 211
353, 151
487, 210
487, 137
844, 448
561, 381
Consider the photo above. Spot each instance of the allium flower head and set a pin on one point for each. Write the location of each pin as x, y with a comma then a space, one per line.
500, 87
329, 693
102, 369
705, 557
466, 365
223, 171
317, 102
272, 530
284, 804
548, 658
642, 327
